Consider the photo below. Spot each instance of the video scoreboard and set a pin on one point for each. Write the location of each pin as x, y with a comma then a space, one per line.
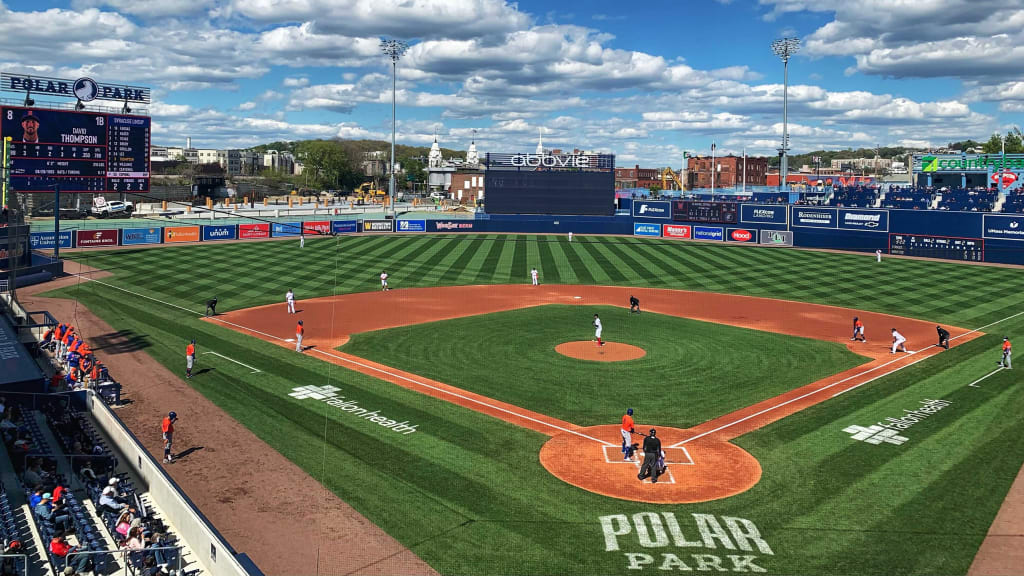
78, 151
970, 249
718, 212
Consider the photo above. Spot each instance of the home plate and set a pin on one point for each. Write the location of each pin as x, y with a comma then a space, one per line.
577, 297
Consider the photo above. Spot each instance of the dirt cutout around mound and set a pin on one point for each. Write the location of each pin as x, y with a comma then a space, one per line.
706, 465
609, 352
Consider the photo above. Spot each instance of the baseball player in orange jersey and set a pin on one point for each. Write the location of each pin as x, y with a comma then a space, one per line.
1007, 352
627, 432
167, 432
858, 330
299, 332
190, 358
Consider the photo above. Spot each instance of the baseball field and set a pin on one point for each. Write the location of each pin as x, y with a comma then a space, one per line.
443, 411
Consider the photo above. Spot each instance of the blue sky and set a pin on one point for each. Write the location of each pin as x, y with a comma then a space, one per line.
645, 80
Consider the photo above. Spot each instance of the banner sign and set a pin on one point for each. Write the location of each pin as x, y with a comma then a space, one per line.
96, 238
279, 229
44, 240
250, 231
134, 236
219, 232
675, 231
344, 226
708, 233
776, 238
814, 217
1003, 227
85, 89
378, 225
741, 235
450, 225
762, 214
412, 225
866, 220
642, 229
176, 234
318, 227
652, 209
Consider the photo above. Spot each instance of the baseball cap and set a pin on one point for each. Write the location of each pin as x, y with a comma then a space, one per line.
29, 116
113, 482
108, 490
47, 496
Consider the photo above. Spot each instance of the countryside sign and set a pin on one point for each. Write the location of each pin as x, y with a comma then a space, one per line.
966, 162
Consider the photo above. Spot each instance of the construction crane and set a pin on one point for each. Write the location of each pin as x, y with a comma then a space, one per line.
670, 180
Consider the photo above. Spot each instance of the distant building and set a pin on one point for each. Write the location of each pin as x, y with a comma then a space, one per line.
876, 164
375, 164
467, 186
728, 171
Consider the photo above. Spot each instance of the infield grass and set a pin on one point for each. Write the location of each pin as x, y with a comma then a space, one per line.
466, 493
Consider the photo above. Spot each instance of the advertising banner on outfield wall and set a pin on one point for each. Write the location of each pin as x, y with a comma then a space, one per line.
866, 220
1003, 227
134, 236
250, 231
178, 234
762, 214
708, 233
741, 235
412, 225
652, 209
452, 225
675, 231
279, 229
378, 225
219, 232
776, 238
642, 229
96, 238
317, 227
808, 217
344, 226
44, 240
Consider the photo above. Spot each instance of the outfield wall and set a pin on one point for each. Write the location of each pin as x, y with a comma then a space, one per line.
968, 236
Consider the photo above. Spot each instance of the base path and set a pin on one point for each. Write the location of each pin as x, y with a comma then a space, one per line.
702, 464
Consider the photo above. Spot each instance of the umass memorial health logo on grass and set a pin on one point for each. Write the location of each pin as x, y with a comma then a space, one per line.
329, 395
889, 431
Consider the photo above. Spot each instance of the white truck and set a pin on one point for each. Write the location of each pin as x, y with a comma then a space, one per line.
102, 208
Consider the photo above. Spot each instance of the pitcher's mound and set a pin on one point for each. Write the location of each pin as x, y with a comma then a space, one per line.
610, 352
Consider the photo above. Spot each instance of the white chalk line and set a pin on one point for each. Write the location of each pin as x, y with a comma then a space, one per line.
254, 370
972, 384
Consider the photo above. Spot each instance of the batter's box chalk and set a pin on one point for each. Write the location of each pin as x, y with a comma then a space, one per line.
678, 456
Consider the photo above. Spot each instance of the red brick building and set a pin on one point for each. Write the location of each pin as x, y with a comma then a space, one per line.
467, 187
728, 174
637, 177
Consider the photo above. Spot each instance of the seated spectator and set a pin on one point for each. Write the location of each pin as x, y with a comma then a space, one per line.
60, 548
110, 499
36, 497
123, 524
34, 475
135, 540
55, 514
156, 543
8, 567
8, 428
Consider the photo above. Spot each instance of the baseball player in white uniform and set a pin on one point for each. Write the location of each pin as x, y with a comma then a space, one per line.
597, 330
384, 280
878, 255
570, 236
289, 298
898, 342
533, 276
302, 241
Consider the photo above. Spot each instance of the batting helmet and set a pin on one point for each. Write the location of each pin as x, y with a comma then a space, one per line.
172, 415
629, 411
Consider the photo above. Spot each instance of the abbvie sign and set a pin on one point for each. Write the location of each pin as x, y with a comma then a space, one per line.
551, 160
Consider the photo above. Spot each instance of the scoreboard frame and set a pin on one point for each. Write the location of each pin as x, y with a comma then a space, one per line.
950, 253
114, 178
682, 211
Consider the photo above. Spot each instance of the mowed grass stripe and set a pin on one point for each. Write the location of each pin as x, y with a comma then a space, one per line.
640, 272
519, 267
548, 269
604, 270
580, 269
490, 263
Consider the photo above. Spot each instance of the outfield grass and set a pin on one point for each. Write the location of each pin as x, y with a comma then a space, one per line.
466, 493
693, 371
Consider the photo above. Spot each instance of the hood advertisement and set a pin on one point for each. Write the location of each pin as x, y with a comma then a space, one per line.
675, 231
44, 240
708, 233
452, 225
810, 217
135, 236
412, 225
764, 214
641, 229
866, 220
344, 226
1003, 227
96, 238
378, 225
776, 238
219, 232
181, 234
652, 209
279, 229
741, 235
251, 231
317, 228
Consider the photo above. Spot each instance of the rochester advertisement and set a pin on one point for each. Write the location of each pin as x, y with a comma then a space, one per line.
814, 217
866, 220
761, 214
134, 236
1003, 227
652, 209
641, 229
378, 225
97, 238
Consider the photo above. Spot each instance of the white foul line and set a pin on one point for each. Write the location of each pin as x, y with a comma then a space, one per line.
254, 370
972, 384
135, 293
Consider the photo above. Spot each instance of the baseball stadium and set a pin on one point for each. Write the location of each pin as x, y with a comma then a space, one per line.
553, 380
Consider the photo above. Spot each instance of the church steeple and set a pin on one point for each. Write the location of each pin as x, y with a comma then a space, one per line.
472, 157
540, 141
434, 159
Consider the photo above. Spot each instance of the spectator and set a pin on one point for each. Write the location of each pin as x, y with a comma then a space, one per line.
109, 499
123, 524
7, 564
33, 475
8, 428
36, 497
59, 547
135, 540
57, 515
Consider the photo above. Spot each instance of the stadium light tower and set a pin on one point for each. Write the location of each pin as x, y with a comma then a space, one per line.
393, 49
785, 48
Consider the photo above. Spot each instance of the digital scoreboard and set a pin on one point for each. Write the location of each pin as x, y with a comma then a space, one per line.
718, 212
970, 249
78, 151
